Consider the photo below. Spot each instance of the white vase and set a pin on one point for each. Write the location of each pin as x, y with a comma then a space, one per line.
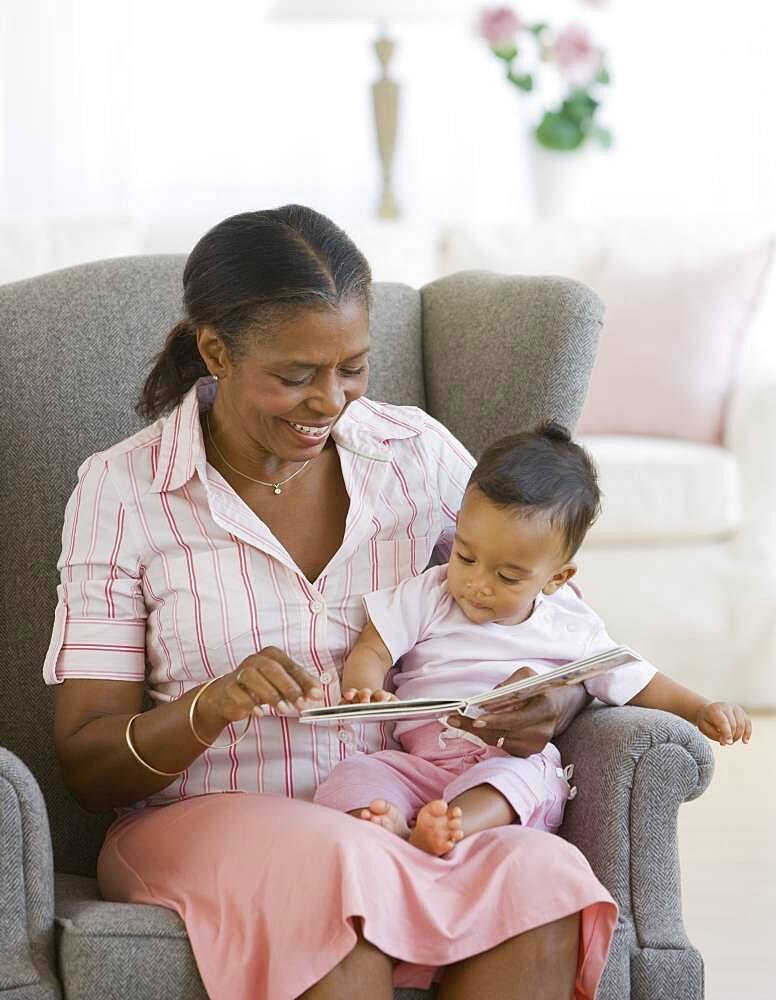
561, 180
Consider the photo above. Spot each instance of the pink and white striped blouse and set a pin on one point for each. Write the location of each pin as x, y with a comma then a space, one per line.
168, 576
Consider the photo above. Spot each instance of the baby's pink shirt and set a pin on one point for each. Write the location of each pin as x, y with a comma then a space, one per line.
442, 654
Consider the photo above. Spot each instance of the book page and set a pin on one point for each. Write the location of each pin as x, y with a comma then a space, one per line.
377, 711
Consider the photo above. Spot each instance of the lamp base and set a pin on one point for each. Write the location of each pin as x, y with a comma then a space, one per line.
388, 208
385, 96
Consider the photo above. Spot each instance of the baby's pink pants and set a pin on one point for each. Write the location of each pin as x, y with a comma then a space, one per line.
429, 768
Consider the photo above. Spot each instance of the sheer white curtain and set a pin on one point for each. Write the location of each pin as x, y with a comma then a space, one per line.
132, 125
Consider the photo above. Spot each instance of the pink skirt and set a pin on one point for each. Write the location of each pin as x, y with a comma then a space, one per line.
269, 889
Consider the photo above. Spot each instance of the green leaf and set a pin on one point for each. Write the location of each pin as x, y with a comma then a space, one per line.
538, 28
603, 76
556, 131
603, 136
579, 106
522, 80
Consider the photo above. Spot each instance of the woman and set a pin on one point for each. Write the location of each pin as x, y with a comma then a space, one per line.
217, 559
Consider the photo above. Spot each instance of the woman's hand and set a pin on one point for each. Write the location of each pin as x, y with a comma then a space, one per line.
268, 677
360, 696
525, 727
723, 722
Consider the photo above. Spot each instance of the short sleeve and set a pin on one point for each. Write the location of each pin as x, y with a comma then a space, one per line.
452, 466
403, 615
616, 687
100, 618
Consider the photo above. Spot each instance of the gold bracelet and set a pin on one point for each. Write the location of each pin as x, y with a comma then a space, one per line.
211, 746
138, 758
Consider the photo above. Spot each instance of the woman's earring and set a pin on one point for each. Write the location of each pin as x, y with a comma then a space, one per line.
215, 377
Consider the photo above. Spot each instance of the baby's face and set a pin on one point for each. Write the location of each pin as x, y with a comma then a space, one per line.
501, 561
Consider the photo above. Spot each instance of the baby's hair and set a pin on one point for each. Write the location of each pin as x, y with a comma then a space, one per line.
543, 472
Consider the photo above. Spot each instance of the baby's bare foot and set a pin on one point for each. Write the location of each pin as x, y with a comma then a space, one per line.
437, 828
386, 815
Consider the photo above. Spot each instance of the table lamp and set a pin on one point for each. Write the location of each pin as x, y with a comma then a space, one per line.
385, 91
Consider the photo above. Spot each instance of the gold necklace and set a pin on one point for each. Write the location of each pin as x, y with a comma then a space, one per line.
274, 486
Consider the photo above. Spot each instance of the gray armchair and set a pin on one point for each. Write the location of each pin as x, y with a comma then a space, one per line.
486, 355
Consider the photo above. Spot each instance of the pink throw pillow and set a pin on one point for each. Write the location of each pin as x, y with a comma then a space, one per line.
669, 347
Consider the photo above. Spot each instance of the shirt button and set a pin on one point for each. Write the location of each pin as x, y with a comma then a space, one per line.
317, 606
344, 737
325, 677
571, 628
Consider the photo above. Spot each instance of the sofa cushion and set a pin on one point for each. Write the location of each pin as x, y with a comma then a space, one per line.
660, 490
128, 951
669, 350
121, 951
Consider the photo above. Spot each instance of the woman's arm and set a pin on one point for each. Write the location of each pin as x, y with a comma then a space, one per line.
97, 766
366, 666
91, 719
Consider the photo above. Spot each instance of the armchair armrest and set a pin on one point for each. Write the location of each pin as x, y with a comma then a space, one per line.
27, 962
634, 767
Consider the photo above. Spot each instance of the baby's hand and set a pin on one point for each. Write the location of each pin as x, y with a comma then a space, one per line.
723, 722
360, 696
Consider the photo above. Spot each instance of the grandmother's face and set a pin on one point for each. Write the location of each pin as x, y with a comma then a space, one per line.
293, 384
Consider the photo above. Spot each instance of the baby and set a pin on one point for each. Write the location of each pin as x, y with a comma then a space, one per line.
461, 629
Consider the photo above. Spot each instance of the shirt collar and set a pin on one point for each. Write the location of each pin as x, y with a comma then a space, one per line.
182, 448
366, 428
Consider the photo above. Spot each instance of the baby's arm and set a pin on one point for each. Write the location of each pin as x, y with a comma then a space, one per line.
719, 720
365, 668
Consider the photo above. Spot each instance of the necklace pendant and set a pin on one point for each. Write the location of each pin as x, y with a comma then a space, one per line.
277, 489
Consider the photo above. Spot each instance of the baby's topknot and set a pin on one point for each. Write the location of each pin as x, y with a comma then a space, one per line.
554, 431
542, 471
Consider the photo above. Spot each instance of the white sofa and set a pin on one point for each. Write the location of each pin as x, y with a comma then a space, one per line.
682, 563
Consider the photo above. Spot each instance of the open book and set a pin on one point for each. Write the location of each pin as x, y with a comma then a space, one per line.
435, 708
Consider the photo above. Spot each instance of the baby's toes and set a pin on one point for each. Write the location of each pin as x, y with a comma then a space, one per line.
379, 807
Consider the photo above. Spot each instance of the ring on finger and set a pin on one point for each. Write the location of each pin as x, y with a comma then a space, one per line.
238, 675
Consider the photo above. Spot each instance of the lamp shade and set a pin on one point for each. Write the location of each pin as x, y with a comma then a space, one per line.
370, 10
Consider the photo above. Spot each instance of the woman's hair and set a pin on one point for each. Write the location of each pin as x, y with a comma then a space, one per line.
543, 471
244, 274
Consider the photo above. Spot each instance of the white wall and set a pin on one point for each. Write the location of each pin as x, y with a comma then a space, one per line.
135, 124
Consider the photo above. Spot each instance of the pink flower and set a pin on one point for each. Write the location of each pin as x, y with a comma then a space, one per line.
575, 53
499, 25
601, 4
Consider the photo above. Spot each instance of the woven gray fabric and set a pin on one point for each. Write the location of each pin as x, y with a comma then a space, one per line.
667, 974
76, 348
502, 354
395, 356
26, 877
616, 981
